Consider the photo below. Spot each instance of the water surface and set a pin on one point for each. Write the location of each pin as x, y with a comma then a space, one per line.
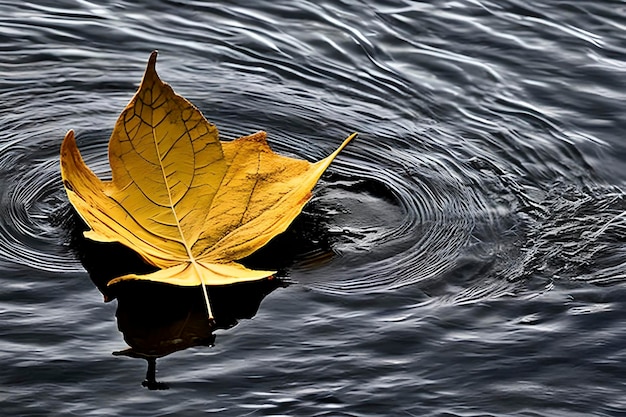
464, 256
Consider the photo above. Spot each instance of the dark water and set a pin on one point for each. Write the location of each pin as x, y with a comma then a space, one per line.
468, 249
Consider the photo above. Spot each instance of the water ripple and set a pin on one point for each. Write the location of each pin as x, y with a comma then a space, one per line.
32, 214
489, 162
460, 151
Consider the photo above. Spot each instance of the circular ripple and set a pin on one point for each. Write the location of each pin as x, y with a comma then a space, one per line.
452, 168
412, 225
32, 216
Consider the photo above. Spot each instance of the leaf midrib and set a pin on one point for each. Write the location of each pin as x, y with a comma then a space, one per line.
192, 259
169, 197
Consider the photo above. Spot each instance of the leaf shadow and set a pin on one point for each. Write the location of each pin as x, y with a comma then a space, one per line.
157, 319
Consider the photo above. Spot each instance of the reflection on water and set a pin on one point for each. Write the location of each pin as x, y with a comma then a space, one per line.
158, 319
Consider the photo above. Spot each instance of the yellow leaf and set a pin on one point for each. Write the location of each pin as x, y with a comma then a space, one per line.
186, 202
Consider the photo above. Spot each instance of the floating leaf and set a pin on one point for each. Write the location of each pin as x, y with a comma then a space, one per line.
186, 202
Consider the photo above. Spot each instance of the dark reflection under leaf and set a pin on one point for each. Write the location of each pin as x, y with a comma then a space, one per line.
159, 319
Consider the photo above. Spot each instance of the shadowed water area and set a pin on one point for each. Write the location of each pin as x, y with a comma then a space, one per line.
465, 255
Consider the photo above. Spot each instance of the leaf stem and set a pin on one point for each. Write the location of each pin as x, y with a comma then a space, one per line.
204, 290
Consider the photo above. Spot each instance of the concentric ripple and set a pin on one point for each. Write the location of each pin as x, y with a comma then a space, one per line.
460, 175
32, 215
489, 162
415, 231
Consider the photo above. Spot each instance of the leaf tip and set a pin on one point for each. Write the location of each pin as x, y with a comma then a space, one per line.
68, 147
153, 58
260, 137
150, 73
345, 142
69, 137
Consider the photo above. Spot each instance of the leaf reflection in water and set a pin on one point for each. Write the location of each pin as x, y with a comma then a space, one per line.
159, 319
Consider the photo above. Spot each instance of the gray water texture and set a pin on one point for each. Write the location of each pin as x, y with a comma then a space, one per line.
468, 252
